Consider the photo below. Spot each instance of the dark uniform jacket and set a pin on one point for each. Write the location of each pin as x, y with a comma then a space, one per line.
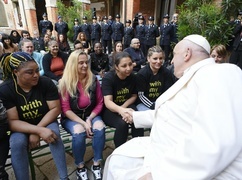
118, 31
95, 32
167, 34
237, 45
106, 31
140, 33
76, 30
151, 33
61, 28
44, 25
86, 28
128, 35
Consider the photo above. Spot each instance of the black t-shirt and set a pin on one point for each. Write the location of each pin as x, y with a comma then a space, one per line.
154, 85
31, 106
121, 90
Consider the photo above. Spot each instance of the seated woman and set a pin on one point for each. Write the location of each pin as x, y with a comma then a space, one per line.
219, 53
43, 43
15, 37
54, 62
4, 141
8, 45
82, 102
118, 47
32, 104
99, 60
154, 79
119, 90
83, 39
63, 44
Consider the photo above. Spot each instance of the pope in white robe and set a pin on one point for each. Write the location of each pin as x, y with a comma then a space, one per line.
196, 125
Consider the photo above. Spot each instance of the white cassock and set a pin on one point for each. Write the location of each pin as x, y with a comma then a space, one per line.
196, 130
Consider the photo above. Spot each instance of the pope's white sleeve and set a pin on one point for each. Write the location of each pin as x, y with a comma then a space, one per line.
143, 119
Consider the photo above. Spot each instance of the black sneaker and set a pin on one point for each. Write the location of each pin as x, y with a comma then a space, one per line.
82, 174
96, 170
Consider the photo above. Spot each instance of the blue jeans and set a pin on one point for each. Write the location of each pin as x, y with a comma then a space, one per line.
19, 153
142, 107
79, 140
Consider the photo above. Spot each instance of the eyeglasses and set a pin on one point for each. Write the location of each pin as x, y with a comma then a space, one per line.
136, 43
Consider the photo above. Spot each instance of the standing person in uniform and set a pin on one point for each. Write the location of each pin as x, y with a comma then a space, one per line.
151, 33
76, 29
128, 34
106, 36
140, 32
167, 34
61, 27
118, 30
44, 25
95, 31
86, 29
110, 20
174, 22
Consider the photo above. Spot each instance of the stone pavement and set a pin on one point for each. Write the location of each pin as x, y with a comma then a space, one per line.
45, 168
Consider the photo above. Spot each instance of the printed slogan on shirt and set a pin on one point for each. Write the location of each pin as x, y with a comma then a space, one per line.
31, 110
121, 95
154, 89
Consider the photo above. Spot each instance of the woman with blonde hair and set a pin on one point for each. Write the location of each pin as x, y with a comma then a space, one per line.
219, 53
82, 102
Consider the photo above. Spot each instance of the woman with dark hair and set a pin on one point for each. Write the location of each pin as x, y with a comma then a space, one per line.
8, 45
82, 102
32, 104
118, 47
120, 94
83, 39
63, 44
15, 37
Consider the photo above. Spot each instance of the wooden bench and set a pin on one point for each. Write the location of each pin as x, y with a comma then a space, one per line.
42, 151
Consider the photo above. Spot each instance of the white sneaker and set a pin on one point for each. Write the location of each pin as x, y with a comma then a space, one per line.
97, 172
82, 174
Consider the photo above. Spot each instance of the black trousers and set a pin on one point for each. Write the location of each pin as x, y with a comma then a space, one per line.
4, 148
236, 58
121, 133
107, 44
167, 50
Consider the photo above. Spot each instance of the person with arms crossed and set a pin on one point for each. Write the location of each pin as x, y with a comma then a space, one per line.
196, 129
